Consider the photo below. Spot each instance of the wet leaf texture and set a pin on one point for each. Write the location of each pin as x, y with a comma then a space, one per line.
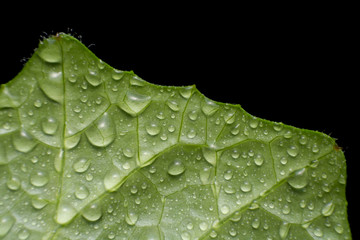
91, 152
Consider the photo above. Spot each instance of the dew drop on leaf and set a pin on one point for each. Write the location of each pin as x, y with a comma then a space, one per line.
65, 213
153, 129
49, 126
284, 230
299, 180
81, 192
81, 165
23, 142
328, 209
39, 179
176, 167
13, 183
112, 179
6, 223
209, 107
245, 186
38, 203
92, 212
293, 151
131, 218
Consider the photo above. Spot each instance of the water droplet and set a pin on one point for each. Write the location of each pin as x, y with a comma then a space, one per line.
153, 129
65, 213
224, 209
131, 218
13, 183
258, 160
129, 153
191, 134
176, 167
171, 128
303, 140
232, 232
38, 203
209, 107
328, 209
315, 148
23, 142
230, 118
93, 77
253, 123
112, 179
23, 234
338, 228
203, 226
293, 151
102, 132
37, 103
255, 223
235, 154
284, 230
49, 126
133, 189
193, 115
39, 179
136, 81
186, 92
278, 127
6, 223
92, 212
228, 175
205, 175
72, 141
213, 234
135, 103
173, 105
246, 186
209, 155
117, 74
185, 236
81, 192
318, 232
286, 209
50, 51
299, 180
81, 165
160, 116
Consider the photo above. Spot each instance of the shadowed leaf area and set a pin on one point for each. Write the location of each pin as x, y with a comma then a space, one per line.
91, 152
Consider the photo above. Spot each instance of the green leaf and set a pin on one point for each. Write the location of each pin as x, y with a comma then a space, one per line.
90, 152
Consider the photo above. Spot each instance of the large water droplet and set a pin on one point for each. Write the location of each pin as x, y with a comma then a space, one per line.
209, 155
131, 218
205, 175
135, 103
176, 167
50, 51
117, 74
13, 183
92, 212
65, 213
39, 179
49, 126
6, 223
173, 105
209, 107
203, 226
186, 92
299, 180
113, 179
228, 175
193, 115
284, 230
38, 203
293, 151
23, 234
23, 142
185, 236
81, 165
255, 223
328, 209
153, 129
81, 192
102, 132
258, 160
93, 77
72, 141
224, 209
245, 186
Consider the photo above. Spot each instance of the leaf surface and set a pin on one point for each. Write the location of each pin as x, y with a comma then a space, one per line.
91, 152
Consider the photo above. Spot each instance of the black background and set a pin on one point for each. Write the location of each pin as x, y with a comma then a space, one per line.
294, 65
